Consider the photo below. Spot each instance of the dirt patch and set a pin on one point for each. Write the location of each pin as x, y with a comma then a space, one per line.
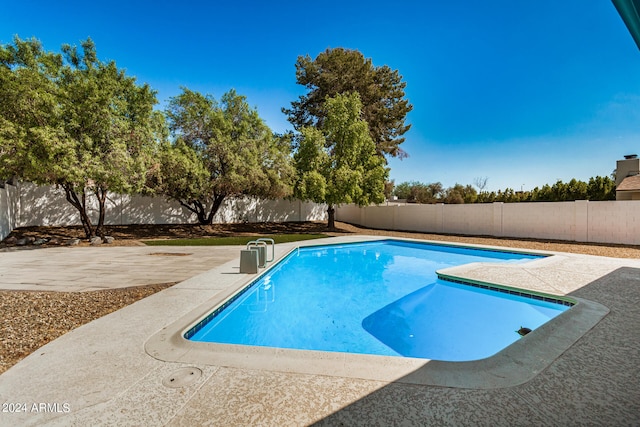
132, 235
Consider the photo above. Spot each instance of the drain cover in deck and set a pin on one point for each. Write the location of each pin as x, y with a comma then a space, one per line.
182, 377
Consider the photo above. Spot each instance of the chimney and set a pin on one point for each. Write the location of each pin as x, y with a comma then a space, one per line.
630, 166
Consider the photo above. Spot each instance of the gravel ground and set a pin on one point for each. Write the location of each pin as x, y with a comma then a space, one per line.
31, 319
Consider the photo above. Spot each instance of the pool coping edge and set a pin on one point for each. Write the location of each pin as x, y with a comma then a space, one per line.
514, 365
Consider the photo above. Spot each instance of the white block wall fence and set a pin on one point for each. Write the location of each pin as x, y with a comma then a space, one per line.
8, 209
30, 205
581, 221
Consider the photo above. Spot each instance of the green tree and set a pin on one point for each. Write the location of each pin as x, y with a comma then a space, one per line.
73, 121
543, 194
509, 195
426, 193
402, 190
576, 190
469, 194
460, 194
453, 195
337, 71
220, 150
388, 189
418, 192
598, 188
338, 163
486, 197
180, 174
601, 188
421, 193
28, 103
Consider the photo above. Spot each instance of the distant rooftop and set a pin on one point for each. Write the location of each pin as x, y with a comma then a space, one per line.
630, 183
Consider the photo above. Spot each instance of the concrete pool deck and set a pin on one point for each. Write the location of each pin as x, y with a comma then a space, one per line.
82, 269
102, 373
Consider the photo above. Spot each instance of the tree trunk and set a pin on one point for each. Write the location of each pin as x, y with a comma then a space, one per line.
217, 202
331, 212
81, 206
198, 208
101, 194
202, 219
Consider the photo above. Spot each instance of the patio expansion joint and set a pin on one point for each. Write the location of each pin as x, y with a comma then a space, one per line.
187, 402
547, 283
146, 386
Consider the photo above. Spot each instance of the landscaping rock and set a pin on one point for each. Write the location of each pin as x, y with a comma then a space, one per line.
39, 242
11, 240
31, 239
108, 239
22, 241
73, 242
56, 241
95, 241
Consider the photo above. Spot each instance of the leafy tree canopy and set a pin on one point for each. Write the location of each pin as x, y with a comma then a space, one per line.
417, 192
73, 121
460, 194
219, 149
338, 163
598, 188
381, 90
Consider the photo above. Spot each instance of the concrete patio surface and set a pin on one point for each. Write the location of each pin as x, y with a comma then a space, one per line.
114, 370
81, 269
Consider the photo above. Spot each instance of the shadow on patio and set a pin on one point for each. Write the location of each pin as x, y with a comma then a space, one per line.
593, 382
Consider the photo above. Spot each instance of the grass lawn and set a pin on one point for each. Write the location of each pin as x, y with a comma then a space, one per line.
232, 240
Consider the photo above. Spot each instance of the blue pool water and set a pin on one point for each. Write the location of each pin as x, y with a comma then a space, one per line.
380, 298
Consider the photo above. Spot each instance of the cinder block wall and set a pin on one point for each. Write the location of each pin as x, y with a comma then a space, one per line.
614, 222
30, 205
9, 206
581, 221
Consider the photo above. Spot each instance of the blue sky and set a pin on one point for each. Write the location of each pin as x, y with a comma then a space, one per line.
523, 93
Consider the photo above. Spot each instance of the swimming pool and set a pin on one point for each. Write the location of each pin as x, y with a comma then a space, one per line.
381, 298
